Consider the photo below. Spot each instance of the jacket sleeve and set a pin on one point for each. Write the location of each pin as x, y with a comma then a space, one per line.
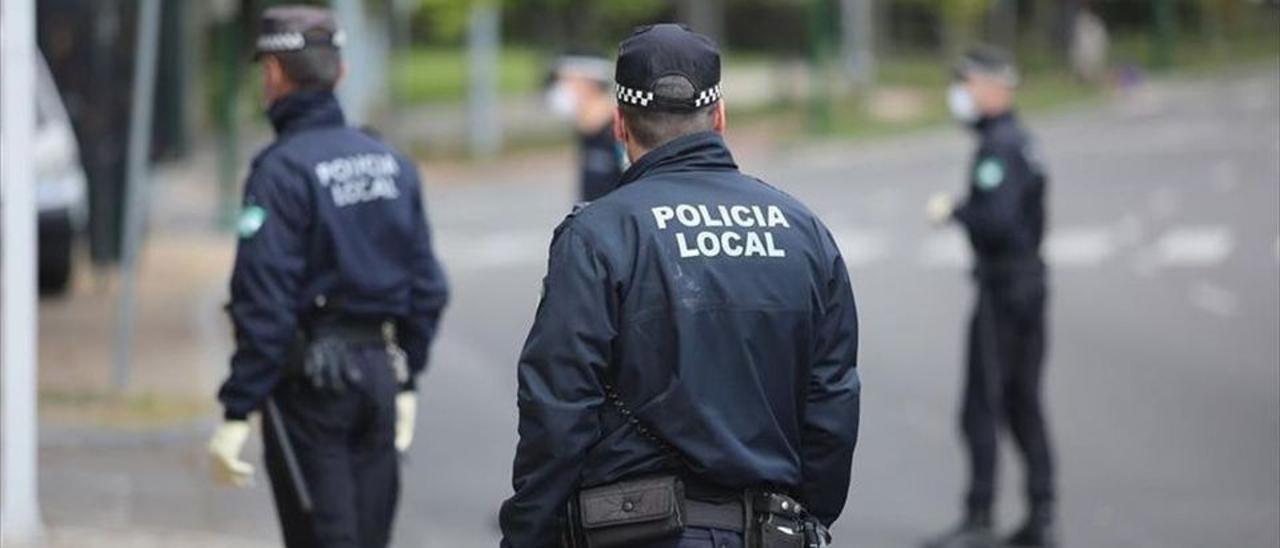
428, 295
994, 211
560, 393
830, 428
270, 261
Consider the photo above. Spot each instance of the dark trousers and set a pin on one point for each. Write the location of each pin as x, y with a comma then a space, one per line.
1006, 357
345, 446
701, 537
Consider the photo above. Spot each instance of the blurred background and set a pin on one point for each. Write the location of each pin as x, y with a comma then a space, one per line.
1159, 121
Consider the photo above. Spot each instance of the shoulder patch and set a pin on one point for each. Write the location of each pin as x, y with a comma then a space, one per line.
252, 217
989, 173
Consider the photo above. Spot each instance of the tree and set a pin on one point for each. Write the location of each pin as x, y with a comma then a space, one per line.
449, 17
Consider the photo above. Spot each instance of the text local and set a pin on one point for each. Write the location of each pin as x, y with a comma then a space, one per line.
730, 243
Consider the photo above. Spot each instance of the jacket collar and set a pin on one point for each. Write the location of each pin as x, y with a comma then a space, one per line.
703, 151
989, 124
304, 110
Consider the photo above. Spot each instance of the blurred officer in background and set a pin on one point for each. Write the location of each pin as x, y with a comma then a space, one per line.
1004, 215
690, 378
335, 297
579, 89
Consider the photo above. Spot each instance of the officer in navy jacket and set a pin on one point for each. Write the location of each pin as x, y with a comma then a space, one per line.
335, 298
1004, 217
714, 307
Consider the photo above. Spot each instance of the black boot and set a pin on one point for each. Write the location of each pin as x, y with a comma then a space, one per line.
1037, 531
974, 532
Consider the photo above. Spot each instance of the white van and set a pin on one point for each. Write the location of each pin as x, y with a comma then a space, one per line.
61, 196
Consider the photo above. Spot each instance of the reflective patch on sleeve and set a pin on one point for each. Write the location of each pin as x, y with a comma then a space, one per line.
251, 219
989, 174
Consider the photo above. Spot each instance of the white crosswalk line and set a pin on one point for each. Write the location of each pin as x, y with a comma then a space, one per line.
861, 248
1214, 299
1207, 245
494, 250
946, 249
1080, 246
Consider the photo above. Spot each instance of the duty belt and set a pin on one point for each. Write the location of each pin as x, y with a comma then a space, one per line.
352, 331
728, 515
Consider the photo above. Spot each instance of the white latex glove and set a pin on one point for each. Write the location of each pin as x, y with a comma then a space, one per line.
939, 209
225, 446
406, 414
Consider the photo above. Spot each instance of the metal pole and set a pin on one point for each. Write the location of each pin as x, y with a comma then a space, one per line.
19, 501
858, 41
482, 97
1163, 30
819, 52
227, 119
136, 173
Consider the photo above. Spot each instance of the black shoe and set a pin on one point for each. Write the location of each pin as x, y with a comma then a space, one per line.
1037, 532
974, 532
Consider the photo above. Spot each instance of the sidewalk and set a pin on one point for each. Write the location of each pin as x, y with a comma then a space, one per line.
77, 537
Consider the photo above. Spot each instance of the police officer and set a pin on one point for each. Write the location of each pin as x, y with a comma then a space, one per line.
580, 90
335, 297
695, 347
1004, 215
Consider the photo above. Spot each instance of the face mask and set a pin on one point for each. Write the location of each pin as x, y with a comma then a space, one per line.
562, 101
961, 104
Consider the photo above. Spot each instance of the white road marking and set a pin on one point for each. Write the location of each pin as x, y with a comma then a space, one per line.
947, 249
494, 250
1214, 299
1129, 231
1163, 203
1080, 246
1208, 245
1225, 176
861, 247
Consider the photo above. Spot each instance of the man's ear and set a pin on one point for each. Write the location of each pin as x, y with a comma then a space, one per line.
619, 126
721, 119
275, 83
274, 71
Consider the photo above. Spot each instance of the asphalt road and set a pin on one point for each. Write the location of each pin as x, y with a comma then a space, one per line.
1164, 368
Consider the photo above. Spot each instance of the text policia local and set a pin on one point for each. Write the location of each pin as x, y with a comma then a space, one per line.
725, 241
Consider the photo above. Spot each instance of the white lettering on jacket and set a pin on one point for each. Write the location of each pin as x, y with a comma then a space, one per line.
735, 231
359, 178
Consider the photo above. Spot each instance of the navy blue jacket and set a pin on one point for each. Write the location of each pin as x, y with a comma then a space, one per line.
333, 223
600, 160
721, 311
1004, 213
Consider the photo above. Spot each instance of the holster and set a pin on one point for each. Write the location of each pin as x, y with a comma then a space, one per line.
320, 356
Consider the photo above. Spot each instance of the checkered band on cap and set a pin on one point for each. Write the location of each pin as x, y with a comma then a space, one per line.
708, 96
282, 41
633, 96
644, 98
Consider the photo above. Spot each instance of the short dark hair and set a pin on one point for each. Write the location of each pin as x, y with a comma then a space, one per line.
653, 128
312, 68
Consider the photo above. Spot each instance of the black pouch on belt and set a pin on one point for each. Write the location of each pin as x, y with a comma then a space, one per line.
632, 513
779, 522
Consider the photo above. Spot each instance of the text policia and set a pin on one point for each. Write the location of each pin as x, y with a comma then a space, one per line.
758, 242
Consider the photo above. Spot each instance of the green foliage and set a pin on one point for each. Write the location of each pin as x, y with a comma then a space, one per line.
435, 75
449, 17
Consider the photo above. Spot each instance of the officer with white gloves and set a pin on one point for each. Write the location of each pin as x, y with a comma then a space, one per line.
335, 298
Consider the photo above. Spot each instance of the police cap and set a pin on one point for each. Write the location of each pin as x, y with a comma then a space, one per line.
987, 61
583, 64
660, 52
295, 28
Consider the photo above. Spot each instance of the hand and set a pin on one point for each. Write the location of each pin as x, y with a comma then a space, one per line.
225, 446
406, 414
939, 209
